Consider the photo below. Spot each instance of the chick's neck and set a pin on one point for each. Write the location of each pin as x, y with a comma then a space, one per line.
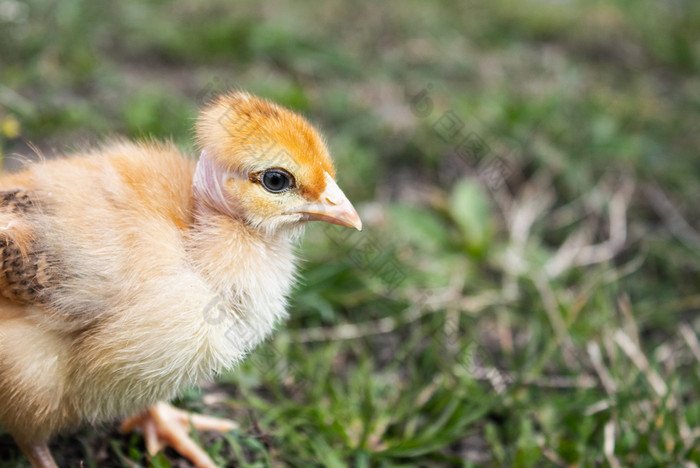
224, 247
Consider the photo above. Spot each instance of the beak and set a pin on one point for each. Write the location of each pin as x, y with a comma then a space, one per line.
334, 208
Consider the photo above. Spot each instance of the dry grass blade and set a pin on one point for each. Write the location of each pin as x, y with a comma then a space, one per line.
609, 444
575, 251
597, 361
674, 221
691, 339
639, 359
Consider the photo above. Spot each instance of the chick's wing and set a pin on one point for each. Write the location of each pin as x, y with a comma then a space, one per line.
24, 271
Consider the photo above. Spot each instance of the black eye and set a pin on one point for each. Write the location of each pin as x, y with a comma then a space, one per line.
276, 180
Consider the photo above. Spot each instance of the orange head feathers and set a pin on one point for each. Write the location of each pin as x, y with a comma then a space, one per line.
267, 165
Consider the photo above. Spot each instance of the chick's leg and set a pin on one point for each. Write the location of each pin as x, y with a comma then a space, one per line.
163, 426
38, 454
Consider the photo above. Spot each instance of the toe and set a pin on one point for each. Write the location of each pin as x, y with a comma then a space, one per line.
164, 425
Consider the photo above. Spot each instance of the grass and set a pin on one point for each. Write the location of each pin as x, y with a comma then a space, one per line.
526, 290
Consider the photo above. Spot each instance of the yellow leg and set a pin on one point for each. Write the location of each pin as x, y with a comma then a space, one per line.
38, 454
164, 425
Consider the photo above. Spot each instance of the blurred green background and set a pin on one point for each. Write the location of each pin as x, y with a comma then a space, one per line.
525, 292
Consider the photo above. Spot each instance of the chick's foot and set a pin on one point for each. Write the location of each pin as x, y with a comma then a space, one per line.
166, 426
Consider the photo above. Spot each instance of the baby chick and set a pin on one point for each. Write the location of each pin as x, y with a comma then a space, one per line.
131, 272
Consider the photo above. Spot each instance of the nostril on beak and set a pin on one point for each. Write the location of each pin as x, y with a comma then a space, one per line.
331, 200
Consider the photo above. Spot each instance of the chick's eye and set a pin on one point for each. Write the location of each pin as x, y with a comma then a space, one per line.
276, 181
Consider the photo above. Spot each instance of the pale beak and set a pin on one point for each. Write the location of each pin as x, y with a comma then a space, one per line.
333, 207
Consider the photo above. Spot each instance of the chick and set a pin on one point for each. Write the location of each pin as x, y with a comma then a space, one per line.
131, 272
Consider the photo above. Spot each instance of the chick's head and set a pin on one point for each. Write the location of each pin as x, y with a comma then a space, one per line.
267, 165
